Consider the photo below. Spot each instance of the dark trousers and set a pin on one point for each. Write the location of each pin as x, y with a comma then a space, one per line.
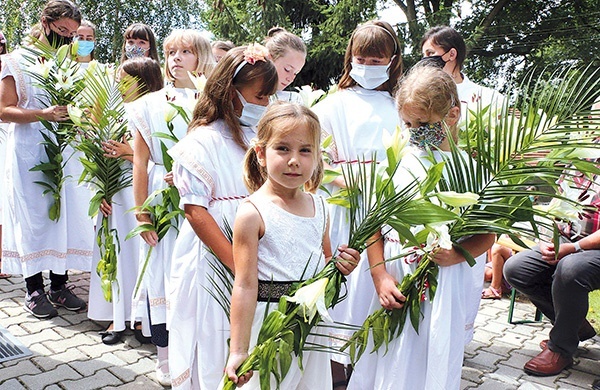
36, 282
159, 335
560, 291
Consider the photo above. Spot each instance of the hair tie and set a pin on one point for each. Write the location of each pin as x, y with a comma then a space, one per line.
253, 142
253, 53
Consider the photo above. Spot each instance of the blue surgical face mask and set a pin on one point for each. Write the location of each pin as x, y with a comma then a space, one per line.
84, 48
369, 76
251, 113
133, 51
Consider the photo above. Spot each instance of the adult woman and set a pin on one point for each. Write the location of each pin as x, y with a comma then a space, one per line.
32, 241
86, 38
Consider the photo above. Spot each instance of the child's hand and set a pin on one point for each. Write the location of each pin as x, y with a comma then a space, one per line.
347, 259
105, 208
169, 178
235, 360
390, 296
447, 257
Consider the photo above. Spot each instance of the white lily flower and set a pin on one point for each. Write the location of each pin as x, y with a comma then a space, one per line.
458, 199
198, 81
75, 114
42, 67
63, 81
308, 95
311, 299
439, 237
396, 141
561, 209
170, 113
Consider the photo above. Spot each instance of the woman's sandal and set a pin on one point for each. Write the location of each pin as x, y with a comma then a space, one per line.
491, 293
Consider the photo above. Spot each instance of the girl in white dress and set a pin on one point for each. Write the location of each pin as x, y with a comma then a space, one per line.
121, 310
33, 242
432, 359
288, 53
207, 171
277, 230
356, 116
185, 51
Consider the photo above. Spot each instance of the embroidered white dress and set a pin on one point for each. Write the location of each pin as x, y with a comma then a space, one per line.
147, 118
31, 241
357, 119
285, 260
207, 171
431, 359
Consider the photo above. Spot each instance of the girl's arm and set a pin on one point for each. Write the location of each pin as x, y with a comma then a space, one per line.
141, 156
207, 229
246, 232
389, 295
475, 245
11, 112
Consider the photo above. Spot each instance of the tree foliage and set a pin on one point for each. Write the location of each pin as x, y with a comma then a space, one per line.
506, 38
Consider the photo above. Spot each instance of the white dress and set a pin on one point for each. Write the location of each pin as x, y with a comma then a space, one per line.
147, 117
473, 96
285, 260
357, 119
120, 310
31, 241
207, 171
431, 359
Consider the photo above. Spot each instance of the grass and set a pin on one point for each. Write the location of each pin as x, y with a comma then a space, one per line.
594, 311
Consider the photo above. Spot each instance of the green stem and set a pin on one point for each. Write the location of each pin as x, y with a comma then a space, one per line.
146, 261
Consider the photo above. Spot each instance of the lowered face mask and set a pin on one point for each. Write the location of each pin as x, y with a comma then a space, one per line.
430, 135
133, 51
251, 113
369, 76
56, 40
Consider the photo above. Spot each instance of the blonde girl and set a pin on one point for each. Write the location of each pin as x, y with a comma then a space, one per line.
286, 158
207, 171
432, 359
187, 51
288, 53
356, 117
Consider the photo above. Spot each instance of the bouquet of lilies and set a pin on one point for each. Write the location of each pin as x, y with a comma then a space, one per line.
372, 200
492, 181
57, 73
100, 117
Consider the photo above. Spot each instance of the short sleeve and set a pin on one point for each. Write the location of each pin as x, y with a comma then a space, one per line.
191, 190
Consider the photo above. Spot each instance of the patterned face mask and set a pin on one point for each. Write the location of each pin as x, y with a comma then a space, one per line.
133, 51
430, 135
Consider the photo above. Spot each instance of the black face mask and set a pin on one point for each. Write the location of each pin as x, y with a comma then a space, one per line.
56, 40
436, 61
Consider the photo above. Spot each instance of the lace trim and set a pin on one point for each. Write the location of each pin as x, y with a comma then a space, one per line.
47, 252
271, 291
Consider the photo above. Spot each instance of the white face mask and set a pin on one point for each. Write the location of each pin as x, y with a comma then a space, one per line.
369, 76
251, 113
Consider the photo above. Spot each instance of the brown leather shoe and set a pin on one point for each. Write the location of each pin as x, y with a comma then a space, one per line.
586, 331
547, 363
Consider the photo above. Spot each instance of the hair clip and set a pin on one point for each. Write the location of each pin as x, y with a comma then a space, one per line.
253, 53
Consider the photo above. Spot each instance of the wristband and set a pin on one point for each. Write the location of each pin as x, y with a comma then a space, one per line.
577, 246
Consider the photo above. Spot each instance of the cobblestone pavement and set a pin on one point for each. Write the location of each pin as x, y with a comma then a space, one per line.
68, 352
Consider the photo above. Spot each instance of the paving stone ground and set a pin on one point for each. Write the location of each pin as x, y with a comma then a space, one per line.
68, 352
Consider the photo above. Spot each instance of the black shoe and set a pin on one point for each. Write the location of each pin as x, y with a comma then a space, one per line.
37, 304
65, 298
111, 337
139, 336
